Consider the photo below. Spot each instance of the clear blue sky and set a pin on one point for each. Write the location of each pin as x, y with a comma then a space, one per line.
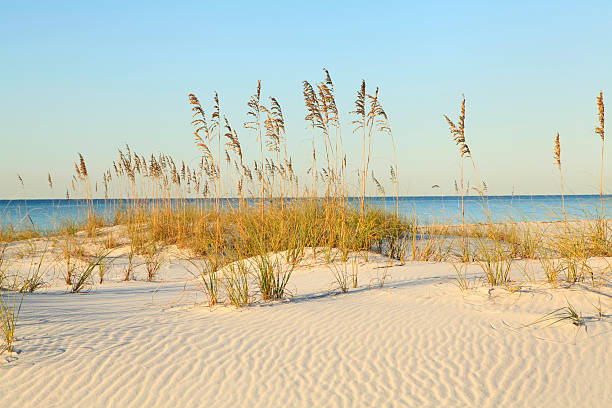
90, 76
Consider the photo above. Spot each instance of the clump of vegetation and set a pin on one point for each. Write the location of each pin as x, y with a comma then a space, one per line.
83, 280
494, 261
10, 307
272, 277
462, 277
236, 283
206, 278
341, 275
274, 211
34, 279
563, 314
110, 242
103, 265
129, 268
458, 133
67, 249
153, 259
382, 275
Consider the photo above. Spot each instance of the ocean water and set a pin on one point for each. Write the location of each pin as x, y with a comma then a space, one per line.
49, 214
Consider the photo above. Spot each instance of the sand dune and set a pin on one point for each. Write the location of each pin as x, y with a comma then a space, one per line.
417, 341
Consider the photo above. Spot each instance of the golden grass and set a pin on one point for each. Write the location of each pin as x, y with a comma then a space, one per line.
273, 211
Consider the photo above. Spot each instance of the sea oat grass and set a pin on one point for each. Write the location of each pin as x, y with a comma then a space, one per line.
273, 211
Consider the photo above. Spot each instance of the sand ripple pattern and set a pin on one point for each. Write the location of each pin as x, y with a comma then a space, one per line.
414, 343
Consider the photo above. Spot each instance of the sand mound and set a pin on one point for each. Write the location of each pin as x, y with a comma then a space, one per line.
417, 341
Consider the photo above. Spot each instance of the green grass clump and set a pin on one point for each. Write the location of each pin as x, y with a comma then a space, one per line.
9, 316
236, 283
206, 278
563, 314
82, 281
272, 277
494, 260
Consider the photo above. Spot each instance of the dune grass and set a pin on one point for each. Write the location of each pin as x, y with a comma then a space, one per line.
206, 277
236, 283
35, 277
10, 307
83, 278
227, 208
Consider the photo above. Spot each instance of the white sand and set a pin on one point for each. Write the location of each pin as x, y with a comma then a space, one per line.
419, 341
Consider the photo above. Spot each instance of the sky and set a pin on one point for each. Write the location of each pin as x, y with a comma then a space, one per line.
90, 77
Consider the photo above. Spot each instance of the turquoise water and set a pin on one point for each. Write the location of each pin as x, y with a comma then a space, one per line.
47, 214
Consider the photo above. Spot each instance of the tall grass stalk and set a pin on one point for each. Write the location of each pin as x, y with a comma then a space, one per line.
458, 133
600, 130
557, 157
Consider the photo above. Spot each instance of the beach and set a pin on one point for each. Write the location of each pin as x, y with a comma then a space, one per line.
405, 336
330, 205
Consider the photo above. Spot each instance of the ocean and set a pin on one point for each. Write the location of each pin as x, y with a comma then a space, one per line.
49, 214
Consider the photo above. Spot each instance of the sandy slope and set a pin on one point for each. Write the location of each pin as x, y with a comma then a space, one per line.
418, 341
